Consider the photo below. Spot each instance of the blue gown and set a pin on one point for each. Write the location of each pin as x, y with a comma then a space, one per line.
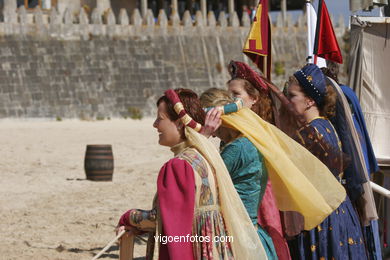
339, 236
371, 232
249, 175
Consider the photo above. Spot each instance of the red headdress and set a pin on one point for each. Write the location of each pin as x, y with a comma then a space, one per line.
185, 118
242, 70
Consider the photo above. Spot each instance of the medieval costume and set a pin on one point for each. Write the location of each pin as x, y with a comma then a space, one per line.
247, 169
339, 236
268, 213
244, 163
350, 126
371, 231
293, 170
196, 197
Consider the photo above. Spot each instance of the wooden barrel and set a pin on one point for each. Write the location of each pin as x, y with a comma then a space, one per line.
99, 162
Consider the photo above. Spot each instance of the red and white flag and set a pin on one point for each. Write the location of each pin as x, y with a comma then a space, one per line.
325, 44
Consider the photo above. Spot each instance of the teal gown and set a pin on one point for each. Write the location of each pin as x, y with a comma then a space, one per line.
246, 167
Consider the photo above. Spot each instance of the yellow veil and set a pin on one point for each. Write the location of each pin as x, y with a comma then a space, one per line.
300, 181
246, 243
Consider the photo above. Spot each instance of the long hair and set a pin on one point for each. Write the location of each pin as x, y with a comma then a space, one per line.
332, 71
215, 97
218, 97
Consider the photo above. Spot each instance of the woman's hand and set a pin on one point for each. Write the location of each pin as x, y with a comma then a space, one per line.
212, 122
119, 229
132, 230
137, 221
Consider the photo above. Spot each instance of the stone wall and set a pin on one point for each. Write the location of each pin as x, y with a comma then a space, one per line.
99, 65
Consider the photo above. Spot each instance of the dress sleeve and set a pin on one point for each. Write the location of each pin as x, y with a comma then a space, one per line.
230, 155
143, 220
331, 156
176, 196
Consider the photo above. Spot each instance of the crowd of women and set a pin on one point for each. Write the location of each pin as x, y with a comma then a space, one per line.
288, 181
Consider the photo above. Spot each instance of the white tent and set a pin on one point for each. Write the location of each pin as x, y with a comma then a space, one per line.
369, 69
356, 5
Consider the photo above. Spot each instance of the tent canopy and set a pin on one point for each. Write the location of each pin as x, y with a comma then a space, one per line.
370, 77
357, 5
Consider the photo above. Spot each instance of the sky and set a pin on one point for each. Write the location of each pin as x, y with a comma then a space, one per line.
335, 8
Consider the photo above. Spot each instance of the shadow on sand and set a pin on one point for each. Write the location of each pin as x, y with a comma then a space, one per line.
112, 252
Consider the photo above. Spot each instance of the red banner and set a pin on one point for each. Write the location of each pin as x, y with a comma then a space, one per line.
258, 44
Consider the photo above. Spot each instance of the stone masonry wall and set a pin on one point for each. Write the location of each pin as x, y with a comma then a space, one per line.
70, 66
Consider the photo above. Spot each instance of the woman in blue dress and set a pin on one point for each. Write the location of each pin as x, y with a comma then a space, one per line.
339, 236
368, 214
244, 163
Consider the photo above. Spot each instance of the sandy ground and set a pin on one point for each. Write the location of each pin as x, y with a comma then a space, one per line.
47, 208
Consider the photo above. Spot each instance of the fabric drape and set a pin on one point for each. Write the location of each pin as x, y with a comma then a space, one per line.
246, 242
300, 181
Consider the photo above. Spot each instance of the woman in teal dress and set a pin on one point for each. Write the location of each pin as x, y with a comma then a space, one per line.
244, 163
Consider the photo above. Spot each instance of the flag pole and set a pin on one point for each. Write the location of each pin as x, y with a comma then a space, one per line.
109, 245
309, 58
283, 7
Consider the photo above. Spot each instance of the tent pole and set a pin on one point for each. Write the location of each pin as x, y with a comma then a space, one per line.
309, 44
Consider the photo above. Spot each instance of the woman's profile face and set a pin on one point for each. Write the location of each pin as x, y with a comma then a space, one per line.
237, 90
168, 130
298, 98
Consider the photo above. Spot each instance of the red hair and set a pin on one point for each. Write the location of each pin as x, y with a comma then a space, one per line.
191, 104
263, 105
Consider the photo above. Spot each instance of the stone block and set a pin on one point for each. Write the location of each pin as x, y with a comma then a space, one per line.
22, 14
211, 21
68, 17
123, 17
222, 21
149, 18
9, 12
38, 16
187, 20
279, 21
36, 97
9, 5
109, 17
83, 17
96, 16
55, 17
199, 21
245, 20
289, 20
136, 18
162, 19
174, 19
234, 21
